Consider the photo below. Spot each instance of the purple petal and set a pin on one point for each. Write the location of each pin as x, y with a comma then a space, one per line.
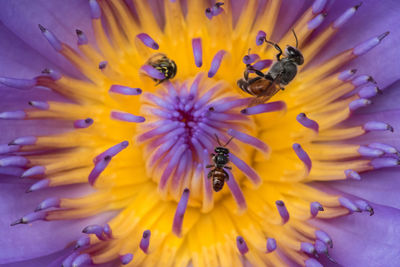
23, 17
377, 238
29, 239
373, 18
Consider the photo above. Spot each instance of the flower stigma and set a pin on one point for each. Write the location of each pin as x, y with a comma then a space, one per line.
158, 97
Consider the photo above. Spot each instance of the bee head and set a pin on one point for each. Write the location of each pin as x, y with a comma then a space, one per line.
221, 150
294, 54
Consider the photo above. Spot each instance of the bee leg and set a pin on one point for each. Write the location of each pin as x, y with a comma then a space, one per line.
209, 175
259, 73
159, 81
278, 81
276, 46
209, 166
268, 77
246, 73
228, 167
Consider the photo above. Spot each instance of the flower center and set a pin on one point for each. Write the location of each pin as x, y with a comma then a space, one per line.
185, 122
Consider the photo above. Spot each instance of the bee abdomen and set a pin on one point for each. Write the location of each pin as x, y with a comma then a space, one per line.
243, 85
218, 184
218, 179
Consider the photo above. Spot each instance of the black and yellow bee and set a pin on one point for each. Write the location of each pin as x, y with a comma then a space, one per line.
164, 65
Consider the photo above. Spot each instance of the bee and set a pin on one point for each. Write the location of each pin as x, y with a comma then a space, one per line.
281, 73
220, 159
164, 65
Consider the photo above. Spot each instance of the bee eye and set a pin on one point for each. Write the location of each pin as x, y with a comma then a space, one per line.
290, 51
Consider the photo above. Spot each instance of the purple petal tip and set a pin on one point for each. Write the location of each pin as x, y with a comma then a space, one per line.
261, 35
271, 244
377, 126
241, 245
319, 6
13, 115
307, 248
283, 212
145, 242
39, 185
25, 140
359, 103
95, 10
126, 259
308, 123
369, 44
39, 105
82, 242
31, 217
98, 169
264, 108
51, 38
124, 90
82, 260
51, 202
348, 204
180, 212
315, 207
302, 155
352, 174
324, 237
23, 84
380, 163
347, 74
35, 170
81, 124
82, 39
216, 62
127, 117
311, 262
103, 64
315, 22
197, 52
147, 41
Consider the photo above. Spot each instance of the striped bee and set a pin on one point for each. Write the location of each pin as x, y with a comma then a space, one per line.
164, 65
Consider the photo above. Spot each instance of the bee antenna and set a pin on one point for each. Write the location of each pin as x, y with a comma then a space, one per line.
268, 42
216, 136
248, 51
230, 139
295, 37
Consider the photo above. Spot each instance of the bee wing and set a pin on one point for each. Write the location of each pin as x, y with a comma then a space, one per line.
154, 58
227, 175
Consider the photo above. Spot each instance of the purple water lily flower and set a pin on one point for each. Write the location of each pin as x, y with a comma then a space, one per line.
109, 112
